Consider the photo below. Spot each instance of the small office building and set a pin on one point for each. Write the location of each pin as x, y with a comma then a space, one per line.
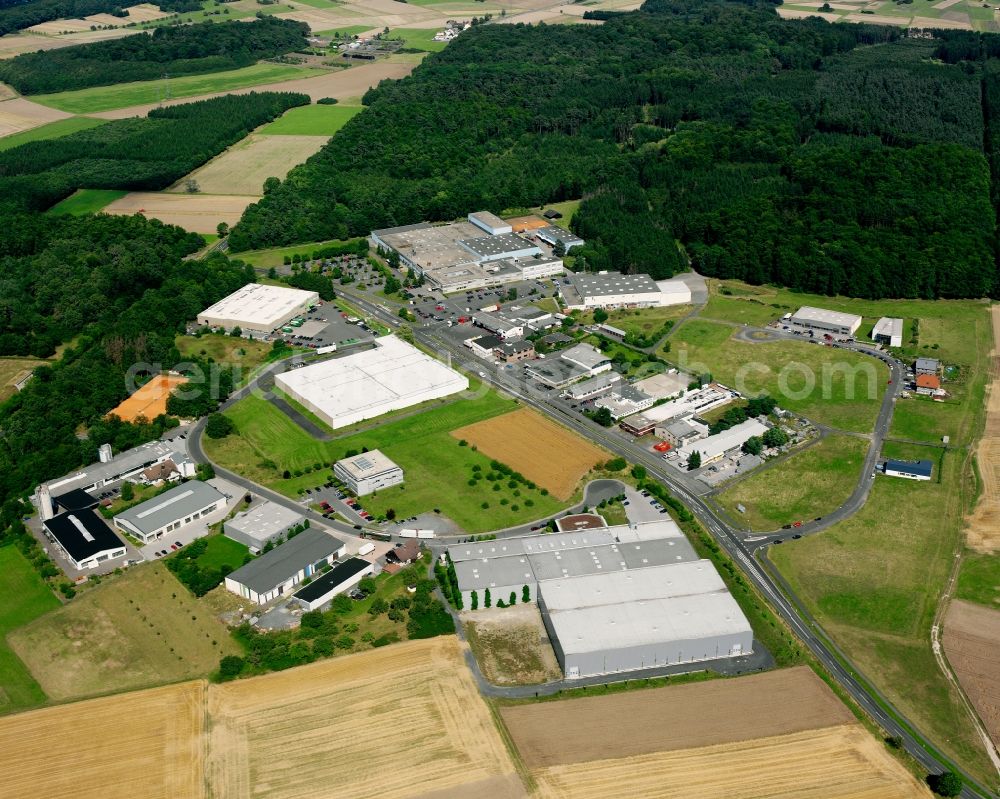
171, 510
367, 472
277, 572
888, 332
342, 577
84, 538
264, 522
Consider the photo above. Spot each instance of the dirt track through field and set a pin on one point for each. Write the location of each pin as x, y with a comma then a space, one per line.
676, 717
972, 644
983, 533
342, 85
842, 762
145, 744
543, 451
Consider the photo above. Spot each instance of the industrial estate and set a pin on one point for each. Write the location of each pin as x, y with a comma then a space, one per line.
507, 470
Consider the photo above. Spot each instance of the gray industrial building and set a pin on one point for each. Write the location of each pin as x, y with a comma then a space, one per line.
170, 510
642, 618
613, 599
266, 521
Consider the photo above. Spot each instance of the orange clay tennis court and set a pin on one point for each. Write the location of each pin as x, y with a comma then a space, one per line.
150, 400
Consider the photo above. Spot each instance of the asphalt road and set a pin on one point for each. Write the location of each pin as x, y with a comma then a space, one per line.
788, 607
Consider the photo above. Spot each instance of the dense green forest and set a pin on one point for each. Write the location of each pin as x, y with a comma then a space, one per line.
183, 50
17, 15
829, 158
142, 153
115, 290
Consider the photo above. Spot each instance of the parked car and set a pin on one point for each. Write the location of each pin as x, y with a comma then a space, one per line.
178, 544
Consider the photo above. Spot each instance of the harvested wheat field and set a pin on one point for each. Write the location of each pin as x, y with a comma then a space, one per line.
972, 644
842, 762
243, 168
150, 400
543, 451
145, 744
983, 532
199, 213
19, 114
400, 721
16, 43
675, 717
343, 84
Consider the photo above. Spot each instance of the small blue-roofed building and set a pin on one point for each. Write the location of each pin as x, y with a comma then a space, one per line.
911, 470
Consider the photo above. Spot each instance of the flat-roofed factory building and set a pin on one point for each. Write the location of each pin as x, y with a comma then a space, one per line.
836, 323
364, 385
264, 522
258, 309
368, 472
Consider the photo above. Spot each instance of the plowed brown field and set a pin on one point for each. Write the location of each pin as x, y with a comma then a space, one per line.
145, 744
199, 213
402, 721
972, 643
676, 717
150, 400
543, 451
984, 524
842, 762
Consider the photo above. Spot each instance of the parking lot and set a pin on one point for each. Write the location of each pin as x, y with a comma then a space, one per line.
336, 329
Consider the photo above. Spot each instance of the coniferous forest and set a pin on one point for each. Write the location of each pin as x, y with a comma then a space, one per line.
829, 158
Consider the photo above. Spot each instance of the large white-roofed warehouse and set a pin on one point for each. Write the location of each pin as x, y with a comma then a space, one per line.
258, 309
836, 322
363, 385
613, 599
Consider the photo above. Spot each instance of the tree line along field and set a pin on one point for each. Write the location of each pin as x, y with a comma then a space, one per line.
268, 443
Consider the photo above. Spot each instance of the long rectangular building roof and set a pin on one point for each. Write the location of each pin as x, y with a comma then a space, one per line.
342, 571
126, 462
283, 562
716, 445
807, 313
258, 305
176, 503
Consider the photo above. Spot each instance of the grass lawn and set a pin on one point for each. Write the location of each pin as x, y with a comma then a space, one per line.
264, 259
53, 130
134, 630
86, 201
830, 386
122, 95
437, 469
241, 354
567, 208
803, 486
642, 321
947, 329
979, 579
419, 39
222, 551
11, 370
312, 120
873, 582
923, 419
26, 597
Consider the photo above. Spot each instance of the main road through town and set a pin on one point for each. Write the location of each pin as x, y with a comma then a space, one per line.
782, 599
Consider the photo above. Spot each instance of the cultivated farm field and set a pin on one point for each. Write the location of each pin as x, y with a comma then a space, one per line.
400, 721
984, 523
972, 644
842, 762
139, 629
311, 120
199, 213
634, 723
18, 115
243, 168
145, 744
543, 451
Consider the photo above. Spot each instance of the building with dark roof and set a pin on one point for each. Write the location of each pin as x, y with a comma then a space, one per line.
85, 538
911, 470
76, 499
342, 577
277, 572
